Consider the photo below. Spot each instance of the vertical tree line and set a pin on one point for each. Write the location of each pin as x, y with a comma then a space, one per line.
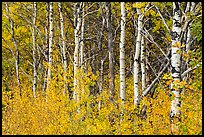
95, 41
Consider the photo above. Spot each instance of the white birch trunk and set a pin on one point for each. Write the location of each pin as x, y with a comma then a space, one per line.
50, 43
46, 48
82, 36
16, 49
77, 24
175, 64
101, 58
122, 53
191, 6
34, 50
63, 47
136, 58
143, 64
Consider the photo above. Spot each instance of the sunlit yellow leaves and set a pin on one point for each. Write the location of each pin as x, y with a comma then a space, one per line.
139, 5
177, 44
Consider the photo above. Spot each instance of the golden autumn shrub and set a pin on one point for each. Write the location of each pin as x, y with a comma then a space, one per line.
52, 112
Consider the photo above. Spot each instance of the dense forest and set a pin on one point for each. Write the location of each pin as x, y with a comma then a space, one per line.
102, 68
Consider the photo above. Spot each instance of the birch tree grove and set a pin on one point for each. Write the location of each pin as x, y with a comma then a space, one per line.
122, 53
118, 68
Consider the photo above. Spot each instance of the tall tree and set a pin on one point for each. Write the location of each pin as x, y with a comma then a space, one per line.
82, 35
137, 53
63, 47
110, 50
102, 59
189, 8
175, 66
143, 64
46, 48
77, 25
50, 43
122, 53
34, 50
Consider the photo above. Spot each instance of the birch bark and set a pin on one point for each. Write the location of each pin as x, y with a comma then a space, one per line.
175, 66
122, 53
46, 48
136, 58
50, 43
77, 23
63, 47
34, 50
143, 64
101, 57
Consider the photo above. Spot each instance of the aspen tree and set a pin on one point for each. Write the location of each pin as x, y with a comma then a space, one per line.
122, 53
137, 53
77, 24
190, 8
46, 48
34, 50
63, 47
50, 43
82, 36
175, 67
143, 64
101, 56
110, 50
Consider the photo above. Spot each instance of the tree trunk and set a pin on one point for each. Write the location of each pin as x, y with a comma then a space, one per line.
175, 67
34, 50
101, 57
143, 64
122, 54
63, 47
16, 49
46, 49
77, 23
110, 50
191, 6
50, 44
82, 36
136, 58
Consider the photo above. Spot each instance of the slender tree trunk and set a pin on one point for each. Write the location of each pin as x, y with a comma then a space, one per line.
16, 49
34, 50
63, 47
136, 58
110, 50
101, 58
175, 67
191, 6
82, 36
50, 44
122, 53
46, 49
77, 23
147, 69
143, 64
